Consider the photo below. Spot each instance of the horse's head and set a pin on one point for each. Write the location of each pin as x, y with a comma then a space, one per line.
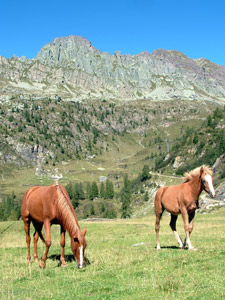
78, 245
207, 182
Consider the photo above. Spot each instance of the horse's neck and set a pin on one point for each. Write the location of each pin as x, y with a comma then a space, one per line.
196, 186
67, 216
71, 226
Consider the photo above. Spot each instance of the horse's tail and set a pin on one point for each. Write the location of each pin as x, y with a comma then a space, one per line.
41, 236
158, 203
38, 230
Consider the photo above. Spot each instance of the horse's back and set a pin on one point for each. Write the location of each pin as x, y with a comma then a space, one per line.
37, 202
25, 201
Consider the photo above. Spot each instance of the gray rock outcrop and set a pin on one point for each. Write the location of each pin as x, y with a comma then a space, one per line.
70, 67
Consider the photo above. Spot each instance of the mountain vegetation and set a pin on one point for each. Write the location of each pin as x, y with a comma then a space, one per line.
138, 138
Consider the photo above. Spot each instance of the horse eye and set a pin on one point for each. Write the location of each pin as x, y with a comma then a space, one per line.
76, 240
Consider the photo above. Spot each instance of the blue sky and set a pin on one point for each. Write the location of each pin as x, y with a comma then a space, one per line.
194, 27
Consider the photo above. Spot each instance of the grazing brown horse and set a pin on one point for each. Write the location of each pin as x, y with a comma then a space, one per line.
47, 205
183, 199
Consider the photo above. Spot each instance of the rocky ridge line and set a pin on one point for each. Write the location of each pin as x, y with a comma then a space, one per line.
71, 68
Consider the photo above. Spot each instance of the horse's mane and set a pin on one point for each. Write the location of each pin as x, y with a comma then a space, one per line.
65, 212
190, 175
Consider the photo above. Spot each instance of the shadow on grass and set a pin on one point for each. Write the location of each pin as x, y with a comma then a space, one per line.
68, 258
171, 247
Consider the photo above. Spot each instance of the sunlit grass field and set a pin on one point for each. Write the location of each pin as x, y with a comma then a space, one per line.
123, 262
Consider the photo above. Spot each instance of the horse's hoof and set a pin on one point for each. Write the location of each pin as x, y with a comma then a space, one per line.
36, 260
193, 249
42, 265
64, 265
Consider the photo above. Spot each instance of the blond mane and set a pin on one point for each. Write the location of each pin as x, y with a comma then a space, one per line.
66, 215
190, 175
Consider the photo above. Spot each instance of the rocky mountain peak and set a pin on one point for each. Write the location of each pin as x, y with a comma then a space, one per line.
70, 67
64, 50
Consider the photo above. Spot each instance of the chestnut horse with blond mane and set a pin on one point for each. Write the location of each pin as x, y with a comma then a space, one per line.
183, 199
47, 205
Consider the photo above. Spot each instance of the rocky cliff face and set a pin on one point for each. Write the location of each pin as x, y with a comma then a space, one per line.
72, 68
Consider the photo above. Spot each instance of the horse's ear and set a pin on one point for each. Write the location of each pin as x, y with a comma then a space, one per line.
84, 231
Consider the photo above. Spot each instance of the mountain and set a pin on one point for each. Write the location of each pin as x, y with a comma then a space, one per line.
71, 68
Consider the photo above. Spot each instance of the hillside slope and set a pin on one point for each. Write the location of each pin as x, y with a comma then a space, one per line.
92, 141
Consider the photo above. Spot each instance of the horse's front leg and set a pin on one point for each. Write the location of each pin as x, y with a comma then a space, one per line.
186, 228
48, 242
62, 244
191, 224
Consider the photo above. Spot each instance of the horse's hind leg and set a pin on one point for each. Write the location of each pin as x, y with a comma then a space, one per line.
173, 227
159, 209
36, 237
158, 214
191, 225
38, 229
28, 238
157, 225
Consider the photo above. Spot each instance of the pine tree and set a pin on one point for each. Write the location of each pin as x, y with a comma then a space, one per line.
109, 191
195, 139
209, 121
94, 189
92, 210
102, 208
81, 192
126, 198
146, 197
89, 192
69, 188
75, 196
102, 190
145, 173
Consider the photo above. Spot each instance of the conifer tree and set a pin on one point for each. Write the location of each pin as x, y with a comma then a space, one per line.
109, 191
102, 190
146, 197
81, 192
145, 173
92, 210
102, 208
94, 189
126, 198
89, 192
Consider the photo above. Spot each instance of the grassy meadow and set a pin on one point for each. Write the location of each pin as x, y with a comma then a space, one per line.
123, 262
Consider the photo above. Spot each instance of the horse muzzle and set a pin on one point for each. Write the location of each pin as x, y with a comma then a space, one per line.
81, 266
212, 194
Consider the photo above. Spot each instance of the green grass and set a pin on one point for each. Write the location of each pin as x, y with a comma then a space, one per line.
117, 269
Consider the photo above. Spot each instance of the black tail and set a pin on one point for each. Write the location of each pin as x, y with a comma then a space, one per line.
38, 229
41, 236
